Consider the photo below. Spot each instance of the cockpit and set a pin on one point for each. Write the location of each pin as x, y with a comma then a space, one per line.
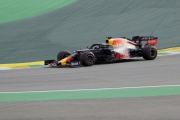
102, 46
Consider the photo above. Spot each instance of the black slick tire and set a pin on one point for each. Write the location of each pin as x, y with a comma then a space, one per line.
87, 59
63, 54
149, 52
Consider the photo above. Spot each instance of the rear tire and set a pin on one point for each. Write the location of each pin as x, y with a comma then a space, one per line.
87, 59
63, 54
149, 52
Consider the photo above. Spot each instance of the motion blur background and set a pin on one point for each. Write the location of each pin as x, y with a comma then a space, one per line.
34, 30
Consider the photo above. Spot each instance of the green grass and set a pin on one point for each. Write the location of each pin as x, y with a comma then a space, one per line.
14, 10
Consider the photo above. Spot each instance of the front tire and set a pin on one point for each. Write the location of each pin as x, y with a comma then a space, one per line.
63, 54
149, 52
87, 59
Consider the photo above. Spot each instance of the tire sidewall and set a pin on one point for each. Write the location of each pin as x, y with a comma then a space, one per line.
150, 54
146, 53
84, 59
61, 55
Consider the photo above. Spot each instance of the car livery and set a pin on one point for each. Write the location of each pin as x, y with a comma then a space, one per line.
115, 49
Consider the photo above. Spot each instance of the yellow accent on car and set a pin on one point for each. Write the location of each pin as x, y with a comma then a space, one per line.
110, 41
63, 61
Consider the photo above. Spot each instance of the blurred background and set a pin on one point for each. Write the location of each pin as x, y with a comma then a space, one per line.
35, 30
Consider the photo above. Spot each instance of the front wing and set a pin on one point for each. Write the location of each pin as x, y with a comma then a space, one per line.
54, 63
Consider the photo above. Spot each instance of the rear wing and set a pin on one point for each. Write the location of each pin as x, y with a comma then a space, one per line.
150, 40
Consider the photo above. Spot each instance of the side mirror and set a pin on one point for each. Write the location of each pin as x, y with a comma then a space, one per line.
87, 47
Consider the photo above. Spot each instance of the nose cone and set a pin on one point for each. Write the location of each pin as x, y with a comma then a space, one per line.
107, 41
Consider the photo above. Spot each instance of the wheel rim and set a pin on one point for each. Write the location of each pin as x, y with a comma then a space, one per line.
89, 58
153, 52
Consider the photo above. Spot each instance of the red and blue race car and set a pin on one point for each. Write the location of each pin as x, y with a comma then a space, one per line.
115, 49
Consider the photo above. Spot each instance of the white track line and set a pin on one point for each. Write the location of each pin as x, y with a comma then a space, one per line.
93, 89
5, 68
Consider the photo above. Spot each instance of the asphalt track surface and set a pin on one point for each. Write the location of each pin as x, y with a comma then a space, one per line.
86, 22
130, 73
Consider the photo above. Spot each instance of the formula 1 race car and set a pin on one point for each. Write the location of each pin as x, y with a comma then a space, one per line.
115, 49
